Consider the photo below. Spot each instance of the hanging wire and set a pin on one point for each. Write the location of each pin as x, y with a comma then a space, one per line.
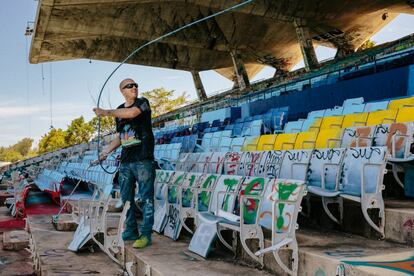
149, 43
50, 96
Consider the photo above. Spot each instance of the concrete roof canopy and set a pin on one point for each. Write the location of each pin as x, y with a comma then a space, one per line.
265, 32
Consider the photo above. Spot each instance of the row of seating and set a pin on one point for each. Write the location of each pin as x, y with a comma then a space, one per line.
355, 173
219, 202
348, 115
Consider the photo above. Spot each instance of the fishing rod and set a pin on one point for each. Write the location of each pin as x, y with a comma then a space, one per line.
138, 49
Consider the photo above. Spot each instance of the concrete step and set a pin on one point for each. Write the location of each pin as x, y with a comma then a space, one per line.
334, 253
168, 257
399, 220
51, 256
15, 240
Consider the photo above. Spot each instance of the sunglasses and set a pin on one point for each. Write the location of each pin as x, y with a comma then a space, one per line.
130, 85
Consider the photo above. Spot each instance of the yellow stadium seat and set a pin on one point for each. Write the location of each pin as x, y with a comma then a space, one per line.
382, 117
405, 115
401, 103
356, 119
332, 122
266, 142
285, 141
316, 125
306, 140
329, 138
250, 144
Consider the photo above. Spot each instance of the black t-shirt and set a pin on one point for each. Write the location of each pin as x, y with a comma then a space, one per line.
136, 134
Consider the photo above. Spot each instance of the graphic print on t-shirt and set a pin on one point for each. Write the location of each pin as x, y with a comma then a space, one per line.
128, 138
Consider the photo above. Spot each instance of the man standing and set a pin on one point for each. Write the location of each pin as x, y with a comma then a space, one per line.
134, 134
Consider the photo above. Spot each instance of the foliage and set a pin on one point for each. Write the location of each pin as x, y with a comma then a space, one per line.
23, 146
16, 152
162, 101
107, 124
78, 132
367, 44
55, 139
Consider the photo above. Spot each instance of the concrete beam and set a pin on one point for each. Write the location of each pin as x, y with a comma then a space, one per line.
306, 45
240, 72
201, 92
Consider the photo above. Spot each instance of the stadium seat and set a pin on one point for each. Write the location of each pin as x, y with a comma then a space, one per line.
357, 119
237, 143
351, 109
375, 106
353, 102
294, 126
358, 136
405, 114
401, 103
295, 164
306, 140
382, 117
266, 142
329, 138
250, 144
285, 141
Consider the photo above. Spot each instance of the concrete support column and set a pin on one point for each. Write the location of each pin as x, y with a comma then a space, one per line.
343, 46
240, 71
201, 92
306, 45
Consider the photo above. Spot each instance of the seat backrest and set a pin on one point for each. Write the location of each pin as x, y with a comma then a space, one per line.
353, 102
295, 164
237, 129
249, 164
191, 181
266, 142
203, 162
332, 122
350, 109
206, 141
403, 132
382, 117
401, 103
375, 106
225, 144
162, 178
237, 143
355, 169
334, 111
306, 124
306, 140
285, 141
206, 181
231, 162
215, 141
250, 144
225, 202
329, 138
357, 137
173, 186
251, 186
246, 130
316, 114
325, 166
284, 196
271, 163
405, 114
216, 163
356, 119
293, 127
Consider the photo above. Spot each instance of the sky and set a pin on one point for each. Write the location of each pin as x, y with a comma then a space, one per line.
33, 96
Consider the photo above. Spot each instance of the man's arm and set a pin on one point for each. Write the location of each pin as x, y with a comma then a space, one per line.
111, 147
122, 113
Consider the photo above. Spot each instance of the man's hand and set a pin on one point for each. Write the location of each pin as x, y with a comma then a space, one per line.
100, 111
102, 157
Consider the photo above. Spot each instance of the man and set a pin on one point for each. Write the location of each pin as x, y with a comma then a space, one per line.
134, 134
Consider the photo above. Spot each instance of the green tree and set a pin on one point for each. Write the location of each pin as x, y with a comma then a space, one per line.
162, 100
23, 146
53, 140
78, 132
367, 44
107, 124
10, 155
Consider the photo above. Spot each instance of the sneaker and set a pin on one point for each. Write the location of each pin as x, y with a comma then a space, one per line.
130, 236
142, 242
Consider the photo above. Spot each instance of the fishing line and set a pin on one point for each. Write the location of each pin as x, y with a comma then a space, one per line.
147, 44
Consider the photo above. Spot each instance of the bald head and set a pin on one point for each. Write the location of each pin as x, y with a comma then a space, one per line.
125, 82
